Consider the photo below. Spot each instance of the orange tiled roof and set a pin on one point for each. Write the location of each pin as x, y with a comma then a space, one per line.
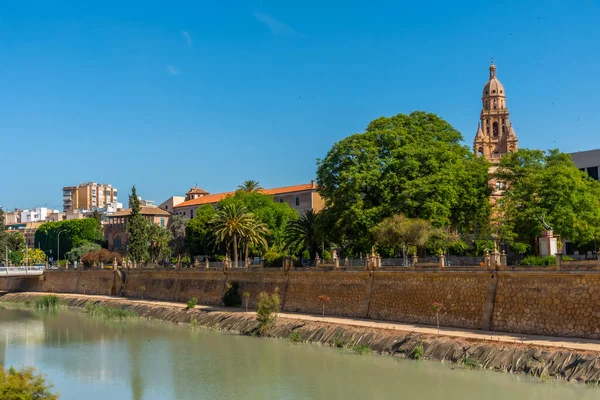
144, 210
215, 198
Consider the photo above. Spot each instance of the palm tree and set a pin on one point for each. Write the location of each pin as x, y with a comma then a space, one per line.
158, 239
230, 223
256, 235
304, 232
250, 186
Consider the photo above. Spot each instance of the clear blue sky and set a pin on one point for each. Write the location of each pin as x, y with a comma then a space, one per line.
167, 94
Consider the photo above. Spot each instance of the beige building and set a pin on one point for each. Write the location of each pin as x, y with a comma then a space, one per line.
88, 196
300, 197
169, 204
115, 231
495, 135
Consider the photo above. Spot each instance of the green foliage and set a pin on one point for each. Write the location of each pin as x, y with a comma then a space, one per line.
230, 223
306, 255
159, 239
231, 297
305, 233
547, 184
520, 248
417, 352
81, 250
194, 322
198, 231
33, 256
535, 261
325, 255
275, 260
267, 309
250, 186
413, 165
191, 303
137, 230
471, 363
75, 232
361, 349
295, 337
338, 341
47, 302
178, 243
24, 384
109, 312
400, 232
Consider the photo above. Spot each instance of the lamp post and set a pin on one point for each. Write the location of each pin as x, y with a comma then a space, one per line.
58, 245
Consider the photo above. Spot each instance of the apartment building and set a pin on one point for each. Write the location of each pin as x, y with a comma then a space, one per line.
88, 196
588, 162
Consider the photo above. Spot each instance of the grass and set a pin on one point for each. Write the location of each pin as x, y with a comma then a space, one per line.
418, 352
338, 341
295, 337
47, 302
471, 363
191, 303
361, 349
109, 312
194, 323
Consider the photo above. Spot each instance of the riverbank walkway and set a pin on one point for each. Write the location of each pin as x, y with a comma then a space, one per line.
468, 334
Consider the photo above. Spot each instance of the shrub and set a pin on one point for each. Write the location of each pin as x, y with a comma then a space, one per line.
108, 312
325, 255
338, 341
567, 258
267, 309
24, 384
295, 337
231, 297
361, 349
418, 352
192, 303
534, 261
306, 255
48, 302
469, 362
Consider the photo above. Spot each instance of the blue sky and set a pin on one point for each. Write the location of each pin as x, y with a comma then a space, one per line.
165, 95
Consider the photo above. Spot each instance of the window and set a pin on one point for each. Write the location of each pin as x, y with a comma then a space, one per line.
500, 186
593, 173
162, 222
297, 200
191, 213
184, 213
166, 207
480, 152
493, 91
495, 129
281, 200
117, 242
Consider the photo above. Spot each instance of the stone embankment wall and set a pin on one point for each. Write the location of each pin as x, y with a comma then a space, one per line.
556, 303
542, 362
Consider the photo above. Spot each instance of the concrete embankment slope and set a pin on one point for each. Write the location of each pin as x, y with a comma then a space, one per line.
550, 303
541, 361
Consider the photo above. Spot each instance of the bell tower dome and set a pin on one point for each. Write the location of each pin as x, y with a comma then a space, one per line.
495, 135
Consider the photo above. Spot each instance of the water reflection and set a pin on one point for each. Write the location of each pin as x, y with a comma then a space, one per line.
97, 359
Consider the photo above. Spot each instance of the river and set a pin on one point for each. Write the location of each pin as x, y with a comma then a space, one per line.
96, 359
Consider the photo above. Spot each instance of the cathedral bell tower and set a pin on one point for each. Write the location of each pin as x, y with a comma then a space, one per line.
495, 135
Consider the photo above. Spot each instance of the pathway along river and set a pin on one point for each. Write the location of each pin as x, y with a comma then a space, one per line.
97, 359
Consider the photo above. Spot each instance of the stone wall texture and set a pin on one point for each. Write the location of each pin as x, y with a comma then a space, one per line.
555, 303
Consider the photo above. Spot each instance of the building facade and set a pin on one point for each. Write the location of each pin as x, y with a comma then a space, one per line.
495, 134
588, 162
300, 197
88, 196
40, 214
169, 204
115, 231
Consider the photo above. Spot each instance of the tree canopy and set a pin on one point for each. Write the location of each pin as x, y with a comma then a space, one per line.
198, 231
548, 185
74, 233
137, 232
406, 164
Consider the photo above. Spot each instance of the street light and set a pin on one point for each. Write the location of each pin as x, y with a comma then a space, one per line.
58, 245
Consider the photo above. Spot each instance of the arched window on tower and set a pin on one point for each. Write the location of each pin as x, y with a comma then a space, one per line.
480, 152
503, 130
487, 129
495, 129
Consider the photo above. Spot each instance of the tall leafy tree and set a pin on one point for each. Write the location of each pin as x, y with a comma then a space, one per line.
178, 242
230, 223
305, 233
198, 231
72, 234
413, 165
250, 186
159, 239
399, 232
255, 235
548, 185
137, 232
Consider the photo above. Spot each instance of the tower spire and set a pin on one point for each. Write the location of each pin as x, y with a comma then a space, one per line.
492, 69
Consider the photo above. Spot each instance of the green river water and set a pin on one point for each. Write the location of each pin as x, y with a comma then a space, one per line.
95, 359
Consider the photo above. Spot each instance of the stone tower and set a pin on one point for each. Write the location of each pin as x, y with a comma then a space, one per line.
495, 135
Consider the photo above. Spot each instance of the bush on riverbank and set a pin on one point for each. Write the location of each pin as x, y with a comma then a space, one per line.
24, 384
109, 312
267, 309
232, 298
47, 302
192, 303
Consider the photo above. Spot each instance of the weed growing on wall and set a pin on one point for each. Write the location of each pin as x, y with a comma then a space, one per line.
267, 309
295, 337
192, 303
47, 302
418, 352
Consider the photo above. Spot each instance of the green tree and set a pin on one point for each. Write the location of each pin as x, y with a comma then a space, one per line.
407, 164
72, 234
400, 232
14, 243
159, 239
81, 250
255, 235
3, 233
250, 186
548, 185
137, 237
33, 256
178, 242
230, 223
304, 233
198, 231
275, 215
24, 384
